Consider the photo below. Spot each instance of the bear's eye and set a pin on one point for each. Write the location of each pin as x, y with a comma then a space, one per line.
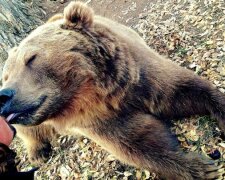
30, 60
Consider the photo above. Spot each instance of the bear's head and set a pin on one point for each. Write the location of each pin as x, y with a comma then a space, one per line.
67, 63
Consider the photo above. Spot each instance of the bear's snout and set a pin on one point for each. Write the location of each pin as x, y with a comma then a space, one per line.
6, 96
18, 108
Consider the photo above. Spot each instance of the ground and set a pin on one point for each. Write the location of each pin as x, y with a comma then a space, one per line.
191, 33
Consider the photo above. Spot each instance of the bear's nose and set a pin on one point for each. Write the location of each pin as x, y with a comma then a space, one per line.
6, 96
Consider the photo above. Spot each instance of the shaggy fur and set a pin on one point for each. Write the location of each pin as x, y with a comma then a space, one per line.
87, 74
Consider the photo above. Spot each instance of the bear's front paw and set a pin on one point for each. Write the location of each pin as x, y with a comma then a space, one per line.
40, 153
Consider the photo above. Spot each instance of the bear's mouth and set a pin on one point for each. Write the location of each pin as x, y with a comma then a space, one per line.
19, 117
25, 115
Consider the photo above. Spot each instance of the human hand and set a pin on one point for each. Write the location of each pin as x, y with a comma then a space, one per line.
6, 132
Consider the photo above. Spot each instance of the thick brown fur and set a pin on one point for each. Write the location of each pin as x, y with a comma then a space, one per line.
89, 75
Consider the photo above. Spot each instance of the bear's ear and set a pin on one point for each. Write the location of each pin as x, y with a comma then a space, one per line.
55, 18
78, 14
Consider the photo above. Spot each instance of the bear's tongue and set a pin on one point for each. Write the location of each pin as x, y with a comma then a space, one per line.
11, 116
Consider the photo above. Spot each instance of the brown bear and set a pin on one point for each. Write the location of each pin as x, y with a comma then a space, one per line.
82, 73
